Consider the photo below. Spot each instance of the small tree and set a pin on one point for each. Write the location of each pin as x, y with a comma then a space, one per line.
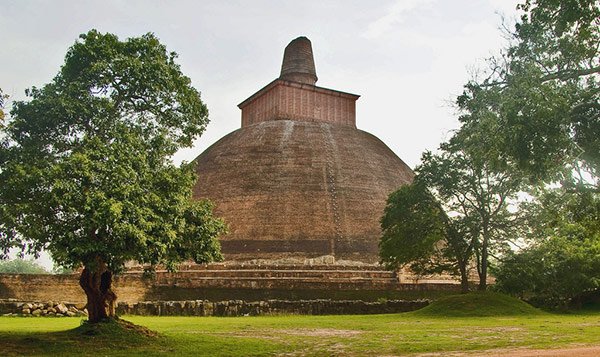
86, 172
457, 200
477, 196
555, 272
418, 233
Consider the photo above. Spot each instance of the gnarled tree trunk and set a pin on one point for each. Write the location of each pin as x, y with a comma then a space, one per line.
97, 284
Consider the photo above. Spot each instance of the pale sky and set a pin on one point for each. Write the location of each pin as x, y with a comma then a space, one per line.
408, 59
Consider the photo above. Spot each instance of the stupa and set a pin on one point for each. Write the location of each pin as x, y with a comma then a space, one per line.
298, 180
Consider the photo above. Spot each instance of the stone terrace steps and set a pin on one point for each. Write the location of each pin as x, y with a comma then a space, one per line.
259, 266
304, 273
282, 277
270, 276
279, 283
287, 274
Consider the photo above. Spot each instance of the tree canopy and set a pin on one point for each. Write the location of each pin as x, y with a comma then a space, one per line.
530, 119
537, 108
562, 262
86, 167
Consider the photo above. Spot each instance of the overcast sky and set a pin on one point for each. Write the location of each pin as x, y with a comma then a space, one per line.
408, 59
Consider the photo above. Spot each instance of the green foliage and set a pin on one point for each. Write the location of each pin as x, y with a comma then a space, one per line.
3, 97
537, 110
85, 164
563, 263
477, 304
418, 233
536, 115
412, 225
457, 207
21, 266
551, 273
476, 197
573, 213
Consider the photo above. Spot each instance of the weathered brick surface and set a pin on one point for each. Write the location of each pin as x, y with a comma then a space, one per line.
218, 282
300, 189
298, 62
287, 100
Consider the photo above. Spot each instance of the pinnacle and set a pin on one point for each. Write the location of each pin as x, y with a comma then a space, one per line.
298, 62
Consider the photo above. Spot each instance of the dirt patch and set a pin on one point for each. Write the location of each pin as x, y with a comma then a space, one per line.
276, 334
321, 332
589, 351
500, 329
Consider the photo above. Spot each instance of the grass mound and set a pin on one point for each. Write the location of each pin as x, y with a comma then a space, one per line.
57, 337
113, 328
477, 304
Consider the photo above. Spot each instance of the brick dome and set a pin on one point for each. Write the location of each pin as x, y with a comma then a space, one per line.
298, 180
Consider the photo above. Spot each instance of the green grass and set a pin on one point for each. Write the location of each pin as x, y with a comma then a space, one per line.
430, 330
478, 304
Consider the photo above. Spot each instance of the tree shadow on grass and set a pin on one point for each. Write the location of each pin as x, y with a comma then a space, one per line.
113, 336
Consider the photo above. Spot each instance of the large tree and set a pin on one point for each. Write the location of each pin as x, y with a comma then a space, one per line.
536, 108
535, 112
86, 171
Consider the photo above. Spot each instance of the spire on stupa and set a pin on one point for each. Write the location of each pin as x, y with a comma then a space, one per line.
298, 62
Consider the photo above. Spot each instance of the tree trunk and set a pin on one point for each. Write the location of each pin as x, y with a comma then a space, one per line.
97, 284
484, 262
478, 262
464, 277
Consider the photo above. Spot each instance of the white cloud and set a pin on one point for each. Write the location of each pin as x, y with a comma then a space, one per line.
396, 15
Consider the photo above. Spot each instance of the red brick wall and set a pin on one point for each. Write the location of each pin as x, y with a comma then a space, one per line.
220, 283
285, 100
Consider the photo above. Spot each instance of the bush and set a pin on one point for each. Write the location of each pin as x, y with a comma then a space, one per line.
21, 266
554, 273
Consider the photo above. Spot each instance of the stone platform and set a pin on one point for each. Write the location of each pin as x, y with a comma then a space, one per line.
238, 281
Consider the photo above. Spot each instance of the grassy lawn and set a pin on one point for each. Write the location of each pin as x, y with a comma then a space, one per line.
354, 335
301, 335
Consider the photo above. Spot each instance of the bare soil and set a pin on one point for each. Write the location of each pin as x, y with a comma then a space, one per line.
587, 351
321, 332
